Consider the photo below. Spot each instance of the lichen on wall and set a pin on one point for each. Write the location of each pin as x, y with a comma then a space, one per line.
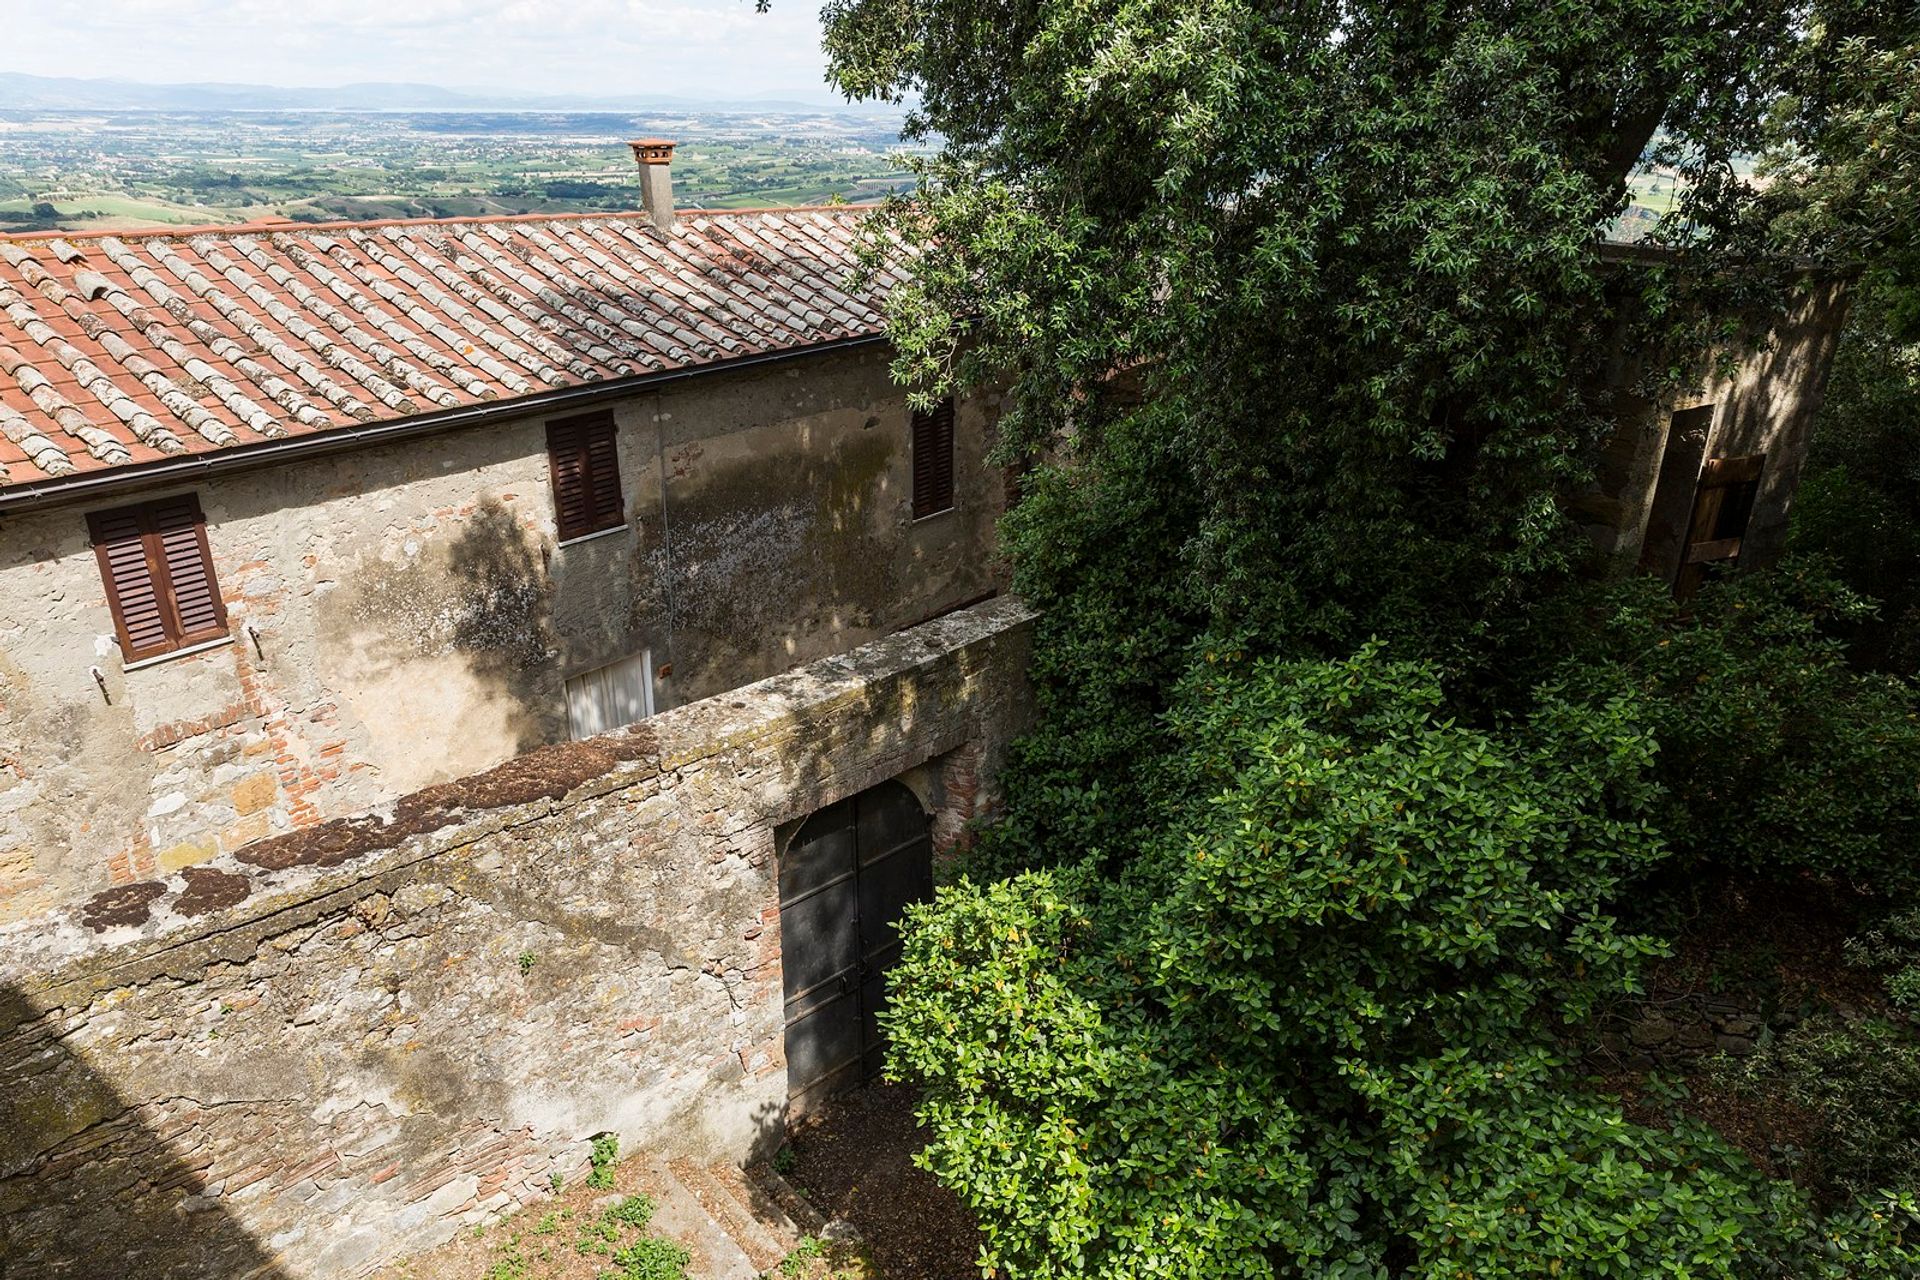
344, 1043
405, 615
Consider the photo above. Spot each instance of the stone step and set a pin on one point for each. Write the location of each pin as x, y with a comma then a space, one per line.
807, 1220
763, 1181
763, 1232
679, 1215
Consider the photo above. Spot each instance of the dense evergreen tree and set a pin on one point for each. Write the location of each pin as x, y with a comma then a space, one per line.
1302, 309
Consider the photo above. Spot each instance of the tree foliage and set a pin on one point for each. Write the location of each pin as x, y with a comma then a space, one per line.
1310, 1030
1342, 258
1309, 336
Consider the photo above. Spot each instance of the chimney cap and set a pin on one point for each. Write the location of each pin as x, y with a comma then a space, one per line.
652, 150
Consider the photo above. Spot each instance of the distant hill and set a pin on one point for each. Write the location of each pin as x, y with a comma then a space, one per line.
48, 93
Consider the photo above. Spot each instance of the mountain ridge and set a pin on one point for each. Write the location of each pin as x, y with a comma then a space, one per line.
20, 91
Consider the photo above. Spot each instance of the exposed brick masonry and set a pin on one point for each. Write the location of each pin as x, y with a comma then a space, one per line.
370, 1032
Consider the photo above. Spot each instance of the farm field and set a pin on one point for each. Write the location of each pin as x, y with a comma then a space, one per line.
118, 170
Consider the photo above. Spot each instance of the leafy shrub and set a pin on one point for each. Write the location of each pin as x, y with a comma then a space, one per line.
1775, 755
1892, 946
1859, 501
1863, 1080
1309, 1029
1875, 1238
606, 1151
633, 1211
651, 1259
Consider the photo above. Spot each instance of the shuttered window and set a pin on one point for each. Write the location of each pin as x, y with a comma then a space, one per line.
159, 576
586, 475
933, 459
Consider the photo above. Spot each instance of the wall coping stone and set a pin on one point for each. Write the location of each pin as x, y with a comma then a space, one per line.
222, 909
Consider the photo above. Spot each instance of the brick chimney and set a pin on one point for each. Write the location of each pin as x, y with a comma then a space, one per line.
655, 156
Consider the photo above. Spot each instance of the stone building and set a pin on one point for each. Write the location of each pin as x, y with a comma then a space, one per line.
297, 520
471, 687
1702, 480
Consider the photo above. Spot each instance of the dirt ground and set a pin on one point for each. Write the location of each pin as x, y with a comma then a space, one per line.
570, 1237
855, 1161
1767, 946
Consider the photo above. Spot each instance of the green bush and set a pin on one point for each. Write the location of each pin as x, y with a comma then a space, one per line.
1892, 945
1859, 501
1310, 1030
650, 1259
1875, 1238
1775, 756
605, 1153
1862, 1079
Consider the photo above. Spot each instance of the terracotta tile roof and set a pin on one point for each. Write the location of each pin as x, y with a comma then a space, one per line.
118, 349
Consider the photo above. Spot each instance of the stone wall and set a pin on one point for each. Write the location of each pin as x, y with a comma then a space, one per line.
403, 615
1765, 394
342, 1043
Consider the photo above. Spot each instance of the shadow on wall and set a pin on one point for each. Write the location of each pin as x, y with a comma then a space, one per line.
92, 1184
503, 622
770, 561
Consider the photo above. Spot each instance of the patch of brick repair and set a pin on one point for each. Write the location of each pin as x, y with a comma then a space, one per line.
547, 773
606, 961
209, 890
122, 904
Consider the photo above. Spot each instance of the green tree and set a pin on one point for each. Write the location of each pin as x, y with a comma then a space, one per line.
1301, 311
1309, 1031
1342, 257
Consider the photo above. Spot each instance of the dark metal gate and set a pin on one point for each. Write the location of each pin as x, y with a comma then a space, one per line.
847, 877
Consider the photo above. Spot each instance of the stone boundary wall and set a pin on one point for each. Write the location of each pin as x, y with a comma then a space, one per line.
338, 1046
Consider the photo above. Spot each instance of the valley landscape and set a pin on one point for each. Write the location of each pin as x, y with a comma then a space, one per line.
78, 169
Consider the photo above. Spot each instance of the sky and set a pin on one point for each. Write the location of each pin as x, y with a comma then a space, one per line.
695, 48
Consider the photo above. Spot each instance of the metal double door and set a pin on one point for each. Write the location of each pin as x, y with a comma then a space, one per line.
845, 881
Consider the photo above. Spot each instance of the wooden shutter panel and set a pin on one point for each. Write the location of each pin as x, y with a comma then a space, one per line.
603, 475
181, 535
585, 464
568, 467
159, 576
933, 459
133, 593
1722, 506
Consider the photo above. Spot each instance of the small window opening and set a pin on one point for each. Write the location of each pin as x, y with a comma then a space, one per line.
584, 463
610, 697
158, 573
933, 459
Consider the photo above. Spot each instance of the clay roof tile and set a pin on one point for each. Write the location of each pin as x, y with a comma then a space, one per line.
123, 347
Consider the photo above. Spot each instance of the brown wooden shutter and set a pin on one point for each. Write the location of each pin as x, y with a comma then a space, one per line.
585, 465
603, 475
1663, 542
180, 532
119, 541
159, 577
933, 459
1723, 504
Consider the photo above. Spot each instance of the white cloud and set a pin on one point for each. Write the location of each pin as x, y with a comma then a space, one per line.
690, 47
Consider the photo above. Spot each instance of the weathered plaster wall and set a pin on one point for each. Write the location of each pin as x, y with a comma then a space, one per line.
1766, 403
341, 1044
403, 615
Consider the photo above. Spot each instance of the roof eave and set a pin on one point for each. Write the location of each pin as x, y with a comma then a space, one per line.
96, 485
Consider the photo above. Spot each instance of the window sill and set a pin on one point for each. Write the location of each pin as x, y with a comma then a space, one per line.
171, 654
935, 515
589, 537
